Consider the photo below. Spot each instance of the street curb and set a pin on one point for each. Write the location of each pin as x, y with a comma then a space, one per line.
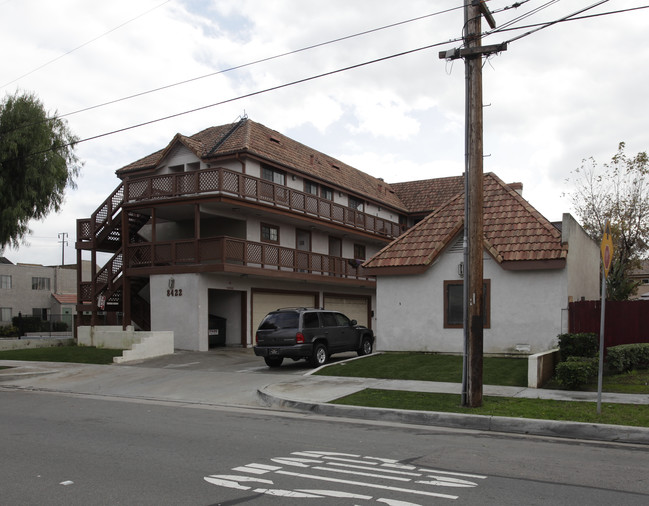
551, 428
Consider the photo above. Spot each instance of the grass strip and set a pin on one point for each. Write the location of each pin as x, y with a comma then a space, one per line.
78, 354
544, 409
430, 367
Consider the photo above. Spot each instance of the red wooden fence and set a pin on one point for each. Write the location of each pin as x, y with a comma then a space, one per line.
626, 322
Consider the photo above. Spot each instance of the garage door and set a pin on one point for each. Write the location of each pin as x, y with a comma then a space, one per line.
265, 302
357, 308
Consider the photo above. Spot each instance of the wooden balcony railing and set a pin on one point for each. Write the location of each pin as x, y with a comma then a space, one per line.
232, 183
229, 250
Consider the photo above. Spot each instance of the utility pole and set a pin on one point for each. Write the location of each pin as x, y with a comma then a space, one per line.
473, 219
63, 239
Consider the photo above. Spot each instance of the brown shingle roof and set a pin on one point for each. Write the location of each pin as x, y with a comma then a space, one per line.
255, 139
429, 194
513, 231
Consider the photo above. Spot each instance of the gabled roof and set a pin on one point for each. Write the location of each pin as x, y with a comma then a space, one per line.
251, 138
514, 234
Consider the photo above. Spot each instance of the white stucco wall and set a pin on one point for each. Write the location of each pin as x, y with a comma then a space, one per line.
187, 314
526, 309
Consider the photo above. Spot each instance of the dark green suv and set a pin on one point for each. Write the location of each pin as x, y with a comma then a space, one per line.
311, 334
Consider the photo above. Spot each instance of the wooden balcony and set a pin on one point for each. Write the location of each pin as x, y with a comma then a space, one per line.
231, 254
221, 181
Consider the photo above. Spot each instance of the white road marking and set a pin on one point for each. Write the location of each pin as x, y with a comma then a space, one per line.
451, 481
66, 483
465, 475
393, 502
286, 493
383, 470
359, 473
336, 493
369, 485
252, 470
225, 483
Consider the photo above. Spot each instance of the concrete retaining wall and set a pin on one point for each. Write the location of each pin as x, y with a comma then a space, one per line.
19, 344
137, 345
540, 367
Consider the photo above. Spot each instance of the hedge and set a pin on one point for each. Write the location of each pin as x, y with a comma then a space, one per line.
626, 357
576, 371
578, 345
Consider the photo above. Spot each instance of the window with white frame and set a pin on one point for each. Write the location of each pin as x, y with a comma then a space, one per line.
5, 314
40, 283
5, 281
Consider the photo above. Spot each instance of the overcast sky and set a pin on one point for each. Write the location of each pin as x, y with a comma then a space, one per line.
555, 97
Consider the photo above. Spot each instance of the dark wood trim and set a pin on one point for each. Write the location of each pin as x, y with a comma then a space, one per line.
244, 320
487, 302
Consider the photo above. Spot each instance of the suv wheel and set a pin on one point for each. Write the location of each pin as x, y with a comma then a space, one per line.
273, 361
319, 356
366, 347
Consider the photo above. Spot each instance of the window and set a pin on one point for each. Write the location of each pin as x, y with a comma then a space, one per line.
5, 314
274, 175
269, 233
5, 281
311, 321
310, 187
359, 251
328, 320
40, 283
454, 304
326, 193
355, 204
40, 312
342, 320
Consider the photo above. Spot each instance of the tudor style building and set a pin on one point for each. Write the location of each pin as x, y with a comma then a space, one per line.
213, 231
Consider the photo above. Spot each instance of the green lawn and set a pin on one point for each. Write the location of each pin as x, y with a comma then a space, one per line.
497, 371
79, 354
430, 367
616, 414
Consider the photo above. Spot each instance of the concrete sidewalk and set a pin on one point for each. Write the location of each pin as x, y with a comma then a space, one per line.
249, 385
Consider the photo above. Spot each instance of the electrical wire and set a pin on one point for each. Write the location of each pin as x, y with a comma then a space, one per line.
84, 44
326, 74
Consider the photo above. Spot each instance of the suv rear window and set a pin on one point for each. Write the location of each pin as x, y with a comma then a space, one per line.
280, 321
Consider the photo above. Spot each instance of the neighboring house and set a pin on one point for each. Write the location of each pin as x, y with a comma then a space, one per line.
641, 275
48, 292
532, 269
216, 229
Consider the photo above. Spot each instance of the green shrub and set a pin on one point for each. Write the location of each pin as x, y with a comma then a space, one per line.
578, 345
59, 327
626, 357
8, 331
576, 371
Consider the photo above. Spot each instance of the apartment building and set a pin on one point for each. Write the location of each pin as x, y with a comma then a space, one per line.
220, 227
37, 290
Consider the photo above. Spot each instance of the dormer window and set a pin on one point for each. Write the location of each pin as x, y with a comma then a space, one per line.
273, 175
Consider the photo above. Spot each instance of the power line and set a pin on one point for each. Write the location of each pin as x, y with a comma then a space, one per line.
326, 74
244, 65
261, 60
84, 44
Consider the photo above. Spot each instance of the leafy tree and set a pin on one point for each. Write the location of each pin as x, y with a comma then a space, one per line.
617, 192
37, 163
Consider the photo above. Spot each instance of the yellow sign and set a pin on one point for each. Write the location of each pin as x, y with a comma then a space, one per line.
607, 249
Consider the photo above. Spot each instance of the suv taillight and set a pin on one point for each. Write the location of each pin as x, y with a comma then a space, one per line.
299, 338
257, 337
